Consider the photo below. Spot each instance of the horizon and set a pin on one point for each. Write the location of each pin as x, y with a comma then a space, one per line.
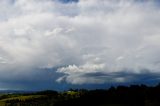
90, 44
76, 89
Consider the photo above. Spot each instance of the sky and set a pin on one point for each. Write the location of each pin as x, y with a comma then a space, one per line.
62, 44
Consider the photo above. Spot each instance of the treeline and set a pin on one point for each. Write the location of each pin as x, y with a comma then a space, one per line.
134, 95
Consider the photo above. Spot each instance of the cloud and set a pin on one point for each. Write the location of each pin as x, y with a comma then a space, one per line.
78, 38
121, 35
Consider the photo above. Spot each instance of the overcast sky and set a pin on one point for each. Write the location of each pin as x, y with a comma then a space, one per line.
58, 44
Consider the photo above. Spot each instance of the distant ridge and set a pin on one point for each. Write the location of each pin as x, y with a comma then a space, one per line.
15, 91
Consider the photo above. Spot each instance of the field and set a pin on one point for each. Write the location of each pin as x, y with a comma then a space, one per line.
13, 97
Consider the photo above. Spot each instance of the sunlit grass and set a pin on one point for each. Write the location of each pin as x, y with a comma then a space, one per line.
18, 97
22, 98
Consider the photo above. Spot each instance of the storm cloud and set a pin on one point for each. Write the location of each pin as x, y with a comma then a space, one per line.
78, 39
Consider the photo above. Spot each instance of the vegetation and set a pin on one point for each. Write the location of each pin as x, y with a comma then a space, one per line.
135, 95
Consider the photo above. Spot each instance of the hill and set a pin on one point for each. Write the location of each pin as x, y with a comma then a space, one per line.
134, 95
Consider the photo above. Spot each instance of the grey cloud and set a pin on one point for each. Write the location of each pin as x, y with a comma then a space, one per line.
79, 38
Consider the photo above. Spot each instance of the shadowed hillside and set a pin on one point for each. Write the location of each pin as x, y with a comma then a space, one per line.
135, 95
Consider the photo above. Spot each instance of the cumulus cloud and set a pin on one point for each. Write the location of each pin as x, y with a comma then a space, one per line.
79, 38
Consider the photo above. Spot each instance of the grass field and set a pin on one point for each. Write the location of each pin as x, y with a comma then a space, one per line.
12, 97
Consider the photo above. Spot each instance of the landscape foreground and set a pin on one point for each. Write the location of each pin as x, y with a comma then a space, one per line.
134, 95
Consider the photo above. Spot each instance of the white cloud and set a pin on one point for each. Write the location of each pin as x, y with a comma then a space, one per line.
80, 38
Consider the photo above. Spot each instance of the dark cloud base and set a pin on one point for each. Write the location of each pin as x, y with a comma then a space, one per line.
46, 80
